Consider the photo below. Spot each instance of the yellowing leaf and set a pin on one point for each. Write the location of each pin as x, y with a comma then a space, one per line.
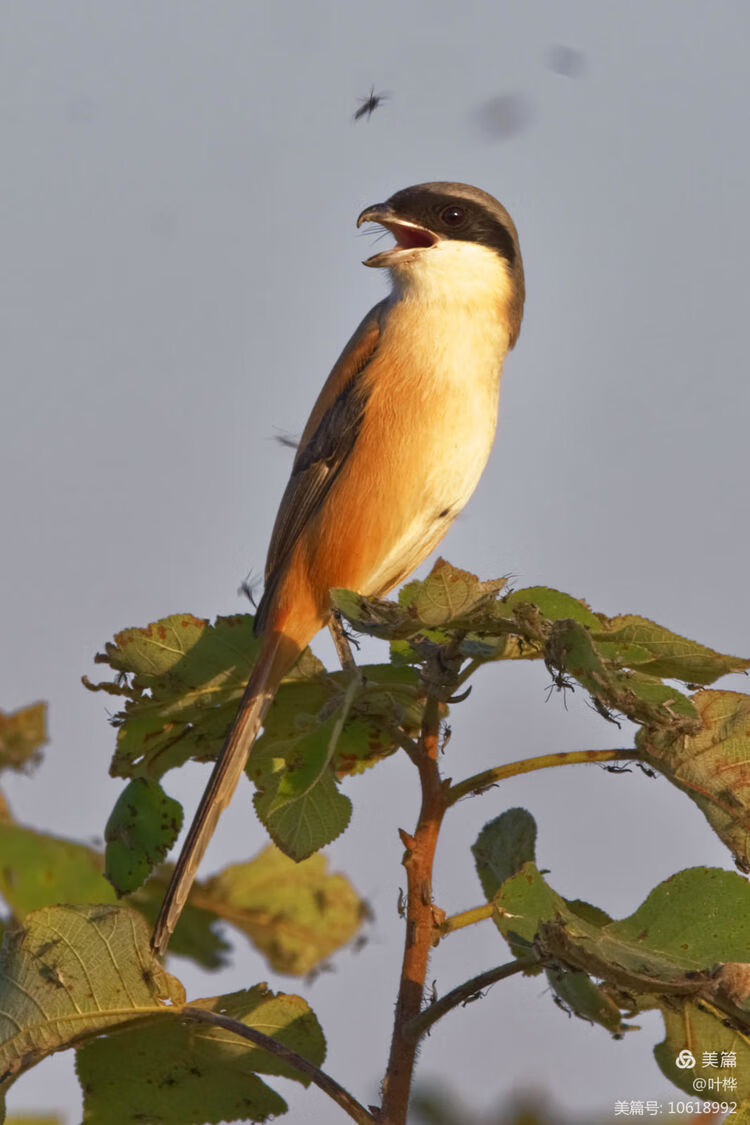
295, 914
72, 972
712, 766
38, 870
22, 734
447, 593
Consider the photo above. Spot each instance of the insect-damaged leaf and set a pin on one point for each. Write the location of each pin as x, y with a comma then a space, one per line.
552, 604
388, 698
447, 594
666, 952
141, 829
71, 972
188, 1074
183, 680
668, 655
571, 650
295, 914
712, 766
184, 706
74, 974
186, 680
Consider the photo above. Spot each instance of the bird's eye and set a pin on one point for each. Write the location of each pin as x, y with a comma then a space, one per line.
452, 215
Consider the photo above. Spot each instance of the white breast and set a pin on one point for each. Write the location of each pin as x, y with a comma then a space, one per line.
446, 336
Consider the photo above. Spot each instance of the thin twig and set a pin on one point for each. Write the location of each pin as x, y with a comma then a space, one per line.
416, 1027
324, 1081
487, 778
402, 739
341, 642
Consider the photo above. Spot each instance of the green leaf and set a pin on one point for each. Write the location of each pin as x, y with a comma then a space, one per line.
667, 654
388, 698
22, 735
188, 647
185, 680
712, 766
39, 870
142, 827
375, 616
298, 799
643, 699
447, 594
663, 955
552, 604
702, 1028
687, 924
72, 972
183, 707
183, 1074
295, 914
502, 847
580, 995
523, 902
697, 917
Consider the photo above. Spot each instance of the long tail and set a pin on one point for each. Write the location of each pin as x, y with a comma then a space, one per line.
272, 665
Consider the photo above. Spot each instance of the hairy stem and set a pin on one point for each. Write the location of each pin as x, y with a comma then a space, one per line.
487, 778
421, 919
324, 1081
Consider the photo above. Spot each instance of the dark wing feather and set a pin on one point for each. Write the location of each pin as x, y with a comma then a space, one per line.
327, 442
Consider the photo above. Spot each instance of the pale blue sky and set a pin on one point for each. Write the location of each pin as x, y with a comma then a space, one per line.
180, 267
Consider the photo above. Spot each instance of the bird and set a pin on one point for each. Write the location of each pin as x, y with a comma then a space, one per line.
393, 449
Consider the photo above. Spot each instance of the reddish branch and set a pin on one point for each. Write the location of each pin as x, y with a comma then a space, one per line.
420, 919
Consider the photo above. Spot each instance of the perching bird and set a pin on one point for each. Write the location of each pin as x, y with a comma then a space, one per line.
393, 449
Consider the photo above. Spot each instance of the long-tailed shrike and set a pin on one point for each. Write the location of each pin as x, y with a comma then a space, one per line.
393, 449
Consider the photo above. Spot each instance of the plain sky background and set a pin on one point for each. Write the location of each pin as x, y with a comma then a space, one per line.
179, 267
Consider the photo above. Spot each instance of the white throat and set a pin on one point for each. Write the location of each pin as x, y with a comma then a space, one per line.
460, 273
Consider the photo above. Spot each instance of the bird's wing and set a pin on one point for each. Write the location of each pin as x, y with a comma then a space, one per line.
327, 441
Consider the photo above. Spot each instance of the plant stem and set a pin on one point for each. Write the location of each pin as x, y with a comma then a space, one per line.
545, 761
324, 1081
420, 919
465, 992
467, 918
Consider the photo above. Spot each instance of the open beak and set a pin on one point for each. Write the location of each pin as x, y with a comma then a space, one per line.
409, 236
